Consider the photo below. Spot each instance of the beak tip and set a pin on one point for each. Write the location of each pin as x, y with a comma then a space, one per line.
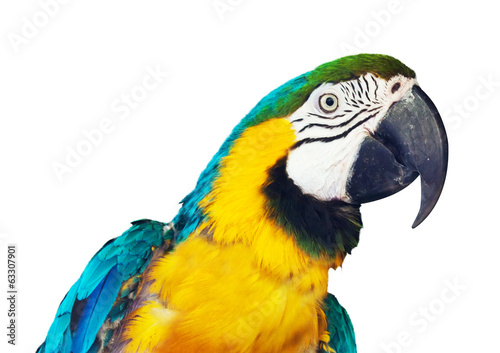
416, 223
429, 199
422, 215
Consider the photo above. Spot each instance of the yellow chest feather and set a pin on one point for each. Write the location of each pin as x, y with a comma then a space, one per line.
239, 283
211, 298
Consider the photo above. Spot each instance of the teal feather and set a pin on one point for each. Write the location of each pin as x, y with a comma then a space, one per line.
59, 330
129, 269
95, 311
96, 296
95, 347
117, 311
342, 338
93, 274
108, 336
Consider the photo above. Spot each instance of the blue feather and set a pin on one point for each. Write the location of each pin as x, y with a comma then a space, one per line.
41, 349
57, 331
91, 300
95, 271
96, 310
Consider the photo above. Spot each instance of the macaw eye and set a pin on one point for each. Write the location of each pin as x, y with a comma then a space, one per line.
328, 102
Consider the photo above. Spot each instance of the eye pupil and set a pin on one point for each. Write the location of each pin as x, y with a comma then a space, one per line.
395, 87
328, 102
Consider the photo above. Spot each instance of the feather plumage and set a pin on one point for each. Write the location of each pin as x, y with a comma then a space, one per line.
105, 289
94, 311
339, 326
252, 247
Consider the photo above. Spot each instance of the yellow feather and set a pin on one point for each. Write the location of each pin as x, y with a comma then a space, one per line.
236, 206
239, 283
226, 303
148, 327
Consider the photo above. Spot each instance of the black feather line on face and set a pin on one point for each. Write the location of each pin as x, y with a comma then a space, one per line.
320, 227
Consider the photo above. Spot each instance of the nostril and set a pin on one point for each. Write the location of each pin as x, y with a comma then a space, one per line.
395, 87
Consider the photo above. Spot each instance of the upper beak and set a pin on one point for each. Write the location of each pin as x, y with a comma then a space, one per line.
409, 141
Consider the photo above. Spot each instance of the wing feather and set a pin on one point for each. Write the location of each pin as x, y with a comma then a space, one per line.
339, 326
105, 289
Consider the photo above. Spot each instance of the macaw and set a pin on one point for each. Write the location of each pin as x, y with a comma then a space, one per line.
243, 267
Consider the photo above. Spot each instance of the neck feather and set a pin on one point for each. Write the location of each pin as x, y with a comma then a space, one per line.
252, 201
320, 227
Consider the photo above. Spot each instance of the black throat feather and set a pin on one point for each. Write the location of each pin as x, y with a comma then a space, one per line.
320, 227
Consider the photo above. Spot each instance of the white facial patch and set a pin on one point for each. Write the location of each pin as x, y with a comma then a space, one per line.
330, 127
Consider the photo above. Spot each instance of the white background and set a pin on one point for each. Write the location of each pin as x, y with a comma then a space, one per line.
67, 75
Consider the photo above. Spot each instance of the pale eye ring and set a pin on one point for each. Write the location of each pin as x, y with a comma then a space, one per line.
328, 102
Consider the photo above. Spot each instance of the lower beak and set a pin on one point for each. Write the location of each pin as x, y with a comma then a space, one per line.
409, 141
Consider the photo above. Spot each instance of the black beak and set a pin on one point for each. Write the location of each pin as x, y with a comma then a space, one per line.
409, 141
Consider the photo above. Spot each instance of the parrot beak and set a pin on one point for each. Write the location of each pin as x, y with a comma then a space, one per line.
409, 141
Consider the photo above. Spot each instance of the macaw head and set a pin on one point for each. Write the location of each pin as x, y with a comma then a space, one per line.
365, 132
353, 130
